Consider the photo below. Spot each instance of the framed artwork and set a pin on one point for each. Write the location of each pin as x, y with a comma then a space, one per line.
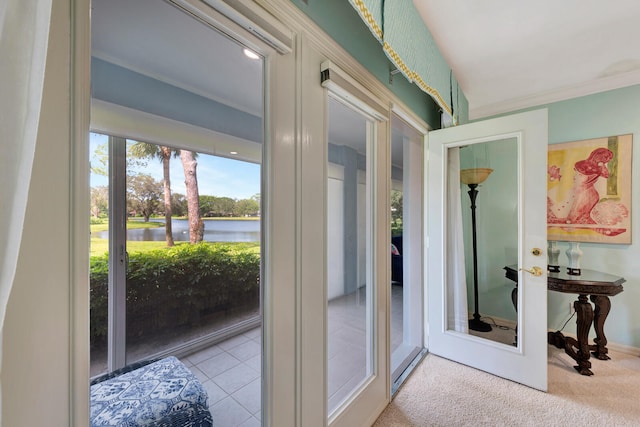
589, 190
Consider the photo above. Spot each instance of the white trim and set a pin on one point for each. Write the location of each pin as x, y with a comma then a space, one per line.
411, 119
255, 20
126, 122
351, 92
621, 348
556, 95
626, 349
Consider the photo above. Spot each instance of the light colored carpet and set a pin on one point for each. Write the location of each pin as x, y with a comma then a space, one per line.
444, 393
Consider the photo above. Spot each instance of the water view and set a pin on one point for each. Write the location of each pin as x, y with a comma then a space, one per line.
214, 231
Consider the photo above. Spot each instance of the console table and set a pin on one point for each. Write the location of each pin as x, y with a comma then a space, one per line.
599, 287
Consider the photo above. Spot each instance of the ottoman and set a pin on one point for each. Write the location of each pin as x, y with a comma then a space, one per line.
163, 393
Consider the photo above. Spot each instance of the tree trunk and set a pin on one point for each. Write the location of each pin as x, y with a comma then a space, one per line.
196, 226
168, 231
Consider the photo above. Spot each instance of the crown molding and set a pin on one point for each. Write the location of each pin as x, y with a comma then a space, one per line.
561, 94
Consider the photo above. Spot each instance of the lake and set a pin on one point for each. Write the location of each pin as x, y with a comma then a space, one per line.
214, 231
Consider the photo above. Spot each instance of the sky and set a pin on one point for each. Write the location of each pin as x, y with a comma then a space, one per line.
217, 176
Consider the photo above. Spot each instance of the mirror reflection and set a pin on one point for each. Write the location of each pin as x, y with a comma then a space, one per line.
482, 236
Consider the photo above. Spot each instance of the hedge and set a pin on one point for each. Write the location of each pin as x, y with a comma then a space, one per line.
176, 287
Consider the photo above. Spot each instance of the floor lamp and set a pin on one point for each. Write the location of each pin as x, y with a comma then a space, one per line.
473, 178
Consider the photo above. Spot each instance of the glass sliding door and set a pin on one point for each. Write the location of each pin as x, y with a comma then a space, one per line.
406, 245
175, 293
176, 262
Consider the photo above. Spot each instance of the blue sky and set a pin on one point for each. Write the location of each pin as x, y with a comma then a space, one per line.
217, 176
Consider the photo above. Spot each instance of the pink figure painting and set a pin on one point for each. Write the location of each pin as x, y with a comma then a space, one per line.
586, 210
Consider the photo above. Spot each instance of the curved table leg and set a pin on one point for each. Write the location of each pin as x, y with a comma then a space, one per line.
584, 312
577, 349
603, 306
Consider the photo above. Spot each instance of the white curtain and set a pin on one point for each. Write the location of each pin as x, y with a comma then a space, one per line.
458, 317
24, 35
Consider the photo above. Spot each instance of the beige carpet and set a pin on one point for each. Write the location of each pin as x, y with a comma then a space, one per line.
443, 393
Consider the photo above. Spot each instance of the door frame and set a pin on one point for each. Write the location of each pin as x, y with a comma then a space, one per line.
286, 397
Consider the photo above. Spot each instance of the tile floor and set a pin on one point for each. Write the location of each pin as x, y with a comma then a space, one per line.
231, 370
231, 373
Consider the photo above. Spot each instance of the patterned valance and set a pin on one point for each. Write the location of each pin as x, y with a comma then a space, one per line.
407, 42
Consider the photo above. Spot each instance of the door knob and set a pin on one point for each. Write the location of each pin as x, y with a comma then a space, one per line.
536, 251
536, 271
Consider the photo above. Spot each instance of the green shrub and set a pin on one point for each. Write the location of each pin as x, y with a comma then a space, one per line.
176, 287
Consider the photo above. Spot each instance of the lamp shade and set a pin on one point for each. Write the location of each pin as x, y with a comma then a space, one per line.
474, 176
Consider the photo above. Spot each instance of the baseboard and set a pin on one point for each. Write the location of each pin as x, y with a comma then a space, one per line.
498, 321
626, 349
620, 348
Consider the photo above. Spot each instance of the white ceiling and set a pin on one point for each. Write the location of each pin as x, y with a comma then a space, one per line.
509, 54
156, 39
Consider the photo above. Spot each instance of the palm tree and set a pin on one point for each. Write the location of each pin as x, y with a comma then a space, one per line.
144, 149
196, 225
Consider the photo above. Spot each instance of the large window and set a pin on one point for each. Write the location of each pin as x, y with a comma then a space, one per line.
191, 246
176, 184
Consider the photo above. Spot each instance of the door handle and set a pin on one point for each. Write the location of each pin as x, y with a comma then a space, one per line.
536, 271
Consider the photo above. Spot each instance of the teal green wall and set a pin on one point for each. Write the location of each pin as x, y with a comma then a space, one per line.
341, 22
615, 112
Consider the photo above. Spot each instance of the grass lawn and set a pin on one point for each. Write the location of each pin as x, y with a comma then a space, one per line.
100, 246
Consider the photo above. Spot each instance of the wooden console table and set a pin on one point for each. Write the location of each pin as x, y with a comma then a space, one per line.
599, 286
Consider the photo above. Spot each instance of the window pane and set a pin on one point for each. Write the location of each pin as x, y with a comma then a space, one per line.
350, 285
197, 271
99, 250
406, 246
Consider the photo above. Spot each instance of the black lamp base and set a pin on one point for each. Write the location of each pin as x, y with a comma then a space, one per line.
479, 325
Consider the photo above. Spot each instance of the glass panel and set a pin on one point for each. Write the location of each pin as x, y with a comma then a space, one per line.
487, 179
190, 297
406, 245
99, 250
193, 244
349, 266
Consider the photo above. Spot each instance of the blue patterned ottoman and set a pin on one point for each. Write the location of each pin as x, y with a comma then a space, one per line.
161, 394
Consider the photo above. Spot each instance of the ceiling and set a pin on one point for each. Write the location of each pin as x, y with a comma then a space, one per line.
141, 35
156, 39
508, 54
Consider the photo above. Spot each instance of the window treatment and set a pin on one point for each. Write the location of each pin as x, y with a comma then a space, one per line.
24, 34
456, 279
407, 42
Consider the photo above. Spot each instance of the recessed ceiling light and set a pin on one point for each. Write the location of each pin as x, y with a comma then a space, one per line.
250, 54
233, 152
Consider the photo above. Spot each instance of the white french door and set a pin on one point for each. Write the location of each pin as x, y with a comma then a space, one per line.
507, 222
343, 247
